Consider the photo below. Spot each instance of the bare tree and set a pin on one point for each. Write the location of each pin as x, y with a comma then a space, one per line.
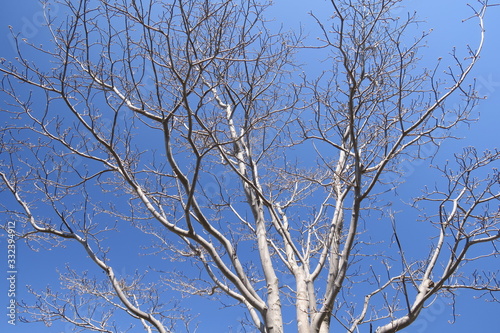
190, 121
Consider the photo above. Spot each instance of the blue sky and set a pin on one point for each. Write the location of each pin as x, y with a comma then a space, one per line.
443, 16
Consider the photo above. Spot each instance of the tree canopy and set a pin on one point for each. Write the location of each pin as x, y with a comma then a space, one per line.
193, 131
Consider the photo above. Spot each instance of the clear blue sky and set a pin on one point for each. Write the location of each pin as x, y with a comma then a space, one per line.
444, 16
